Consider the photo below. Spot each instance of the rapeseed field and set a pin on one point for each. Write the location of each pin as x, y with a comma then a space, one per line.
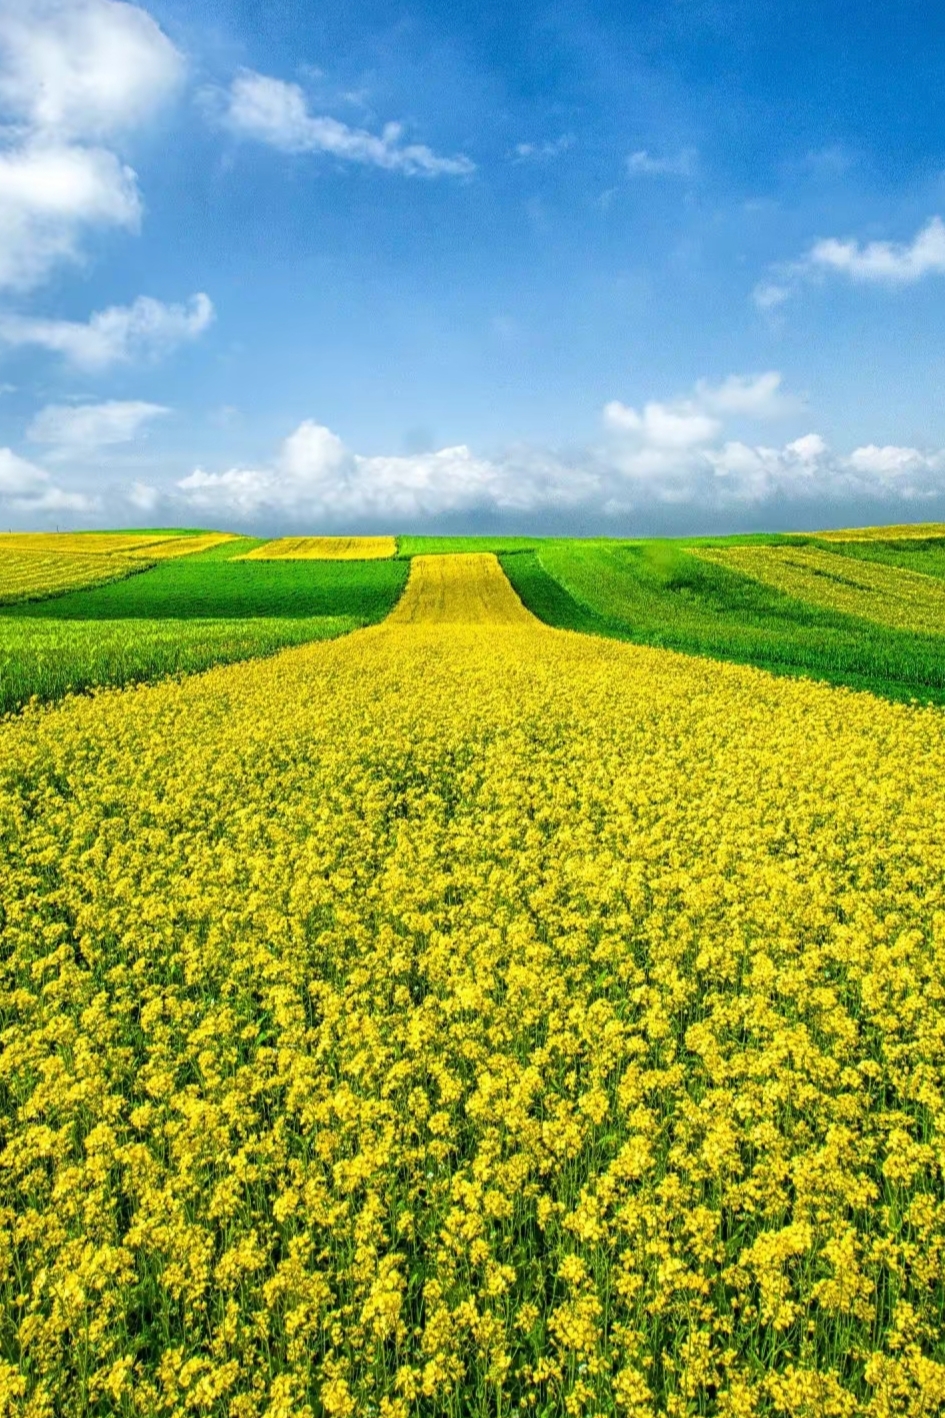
468, 1017
893, 596
325, 549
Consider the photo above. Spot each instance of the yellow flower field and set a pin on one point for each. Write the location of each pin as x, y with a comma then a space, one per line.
912, 531
47, 563
324, 549
468, 1018
82, 543
888, 595
26, 574
169, 547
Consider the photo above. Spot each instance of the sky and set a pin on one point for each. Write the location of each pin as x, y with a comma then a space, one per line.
675, 267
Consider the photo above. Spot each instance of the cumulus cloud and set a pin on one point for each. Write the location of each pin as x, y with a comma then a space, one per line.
49, 194
75, 76
316, 474
83, 68
145, 329
275, 112
679, 425
696, 419
888, 263
681, 164
671, 453
25, 487
83, 428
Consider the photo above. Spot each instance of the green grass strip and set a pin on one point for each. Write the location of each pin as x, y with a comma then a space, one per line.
656, 594
48, 659
213, 585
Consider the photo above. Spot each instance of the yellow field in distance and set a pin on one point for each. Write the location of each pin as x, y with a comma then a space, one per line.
169, 547
886, 595
27, 575
464, 589
325, 549
916, 531
37, 564
83, 543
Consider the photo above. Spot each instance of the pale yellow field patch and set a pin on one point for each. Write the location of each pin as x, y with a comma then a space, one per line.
886, 595
464, 589
916, 531
324, 549
38, 564
83, 543
26, 575
181, 546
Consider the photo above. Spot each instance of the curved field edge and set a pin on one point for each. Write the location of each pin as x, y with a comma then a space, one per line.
184, 618
755, 626
48, 660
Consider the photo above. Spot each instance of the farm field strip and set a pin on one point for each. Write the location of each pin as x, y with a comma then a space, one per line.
50, 659
325, 549
183, 546
27, 575
83, 543
919, 531
467, 1017
667, 595
465, 589
893, 596
178, 615
44, 564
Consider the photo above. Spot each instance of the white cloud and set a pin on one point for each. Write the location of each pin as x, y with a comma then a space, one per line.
316, 478
681, 164
48, 197
27, 488
146, 328
696, 420
75, 76
144, 496
663, 425
317, 474
889, 263
754, 395
768, 295
889, 461
83, 68
543, 152
82, 428
275, 112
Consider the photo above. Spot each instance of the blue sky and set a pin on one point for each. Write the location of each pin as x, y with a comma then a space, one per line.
669, 267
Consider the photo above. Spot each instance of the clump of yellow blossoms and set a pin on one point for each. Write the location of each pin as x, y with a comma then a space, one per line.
466, 1018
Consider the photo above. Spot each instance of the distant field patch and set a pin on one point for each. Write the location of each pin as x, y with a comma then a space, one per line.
886, 595
29, 575
217, 585
450, 546
182, 546
917, 531
83, 543
37, 565
459, 590
325, 549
